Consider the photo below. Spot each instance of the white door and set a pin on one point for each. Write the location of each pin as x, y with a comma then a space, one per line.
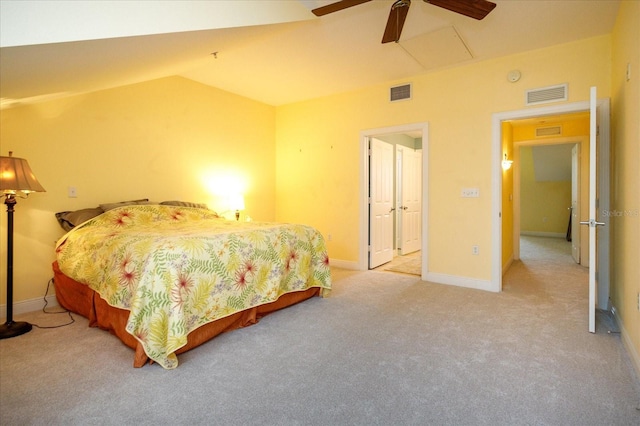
575, 203
598, 201
411, 207
381, 203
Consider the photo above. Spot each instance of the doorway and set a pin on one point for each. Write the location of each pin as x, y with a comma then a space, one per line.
550, 191
599, 125
395, 196
416, 131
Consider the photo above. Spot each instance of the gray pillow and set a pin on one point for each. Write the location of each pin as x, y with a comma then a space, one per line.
69, 220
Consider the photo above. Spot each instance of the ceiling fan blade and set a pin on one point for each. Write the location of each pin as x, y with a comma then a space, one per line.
476, 9
397, 16
334, 7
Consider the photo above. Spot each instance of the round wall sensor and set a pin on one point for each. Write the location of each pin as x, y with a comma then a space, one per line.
513, 76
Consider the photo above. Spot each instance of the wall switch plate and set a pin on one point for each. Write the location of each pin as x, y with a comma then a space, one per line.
72, 192
475, 250
470, 193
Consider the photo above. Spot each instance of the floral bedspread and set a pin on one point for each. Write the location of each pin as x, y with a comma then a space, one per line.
177, 268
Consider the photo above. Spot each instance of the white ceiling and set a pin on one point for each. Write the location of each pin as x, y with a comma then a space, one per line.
275, 52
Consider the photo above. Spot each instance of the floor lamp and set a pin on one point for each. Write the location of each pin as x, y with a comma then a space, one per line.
16, 178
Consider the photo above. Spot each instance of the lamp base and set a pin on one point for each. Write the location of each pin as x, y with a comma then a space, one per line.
14, 328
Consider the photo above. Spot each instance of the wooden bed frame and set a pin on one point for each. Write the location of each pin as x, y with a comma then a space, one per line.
81, 299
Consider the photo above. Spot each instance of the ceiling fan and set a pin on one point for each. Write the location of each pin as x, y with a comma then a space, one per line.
476, 9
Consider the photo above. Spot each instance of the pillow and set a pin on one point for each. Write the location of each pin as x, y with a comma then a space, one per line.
110, 206
184, 204
69, 220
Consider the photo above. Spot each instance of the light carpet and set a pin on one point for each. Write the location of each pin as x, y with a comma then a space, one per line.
412, 266
384, 349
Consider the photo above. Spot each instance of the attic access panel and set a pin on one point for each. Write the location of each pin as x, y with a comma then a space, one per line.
438, 48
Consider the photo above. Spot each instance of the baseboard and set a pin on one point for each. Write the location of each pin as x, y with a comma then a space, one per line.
344, 264
628, 344
460, 281
543, 234
30, 305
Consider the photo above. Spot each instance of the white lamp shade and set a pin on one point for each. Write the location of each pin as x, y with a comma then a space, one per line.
16, 176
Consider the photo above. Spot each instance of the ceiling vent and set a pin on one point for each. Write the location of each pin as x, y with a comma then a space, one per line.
400, 93
548, 131
547, 94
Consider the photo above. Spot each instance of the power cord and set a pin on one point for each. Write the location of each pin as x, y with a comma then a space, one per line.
44, 309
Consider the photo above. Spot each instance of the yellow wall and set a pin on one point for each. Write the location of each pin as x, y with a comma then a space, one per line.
571, 126
626, 178
543, 205
169, 139
318, 163
507, 197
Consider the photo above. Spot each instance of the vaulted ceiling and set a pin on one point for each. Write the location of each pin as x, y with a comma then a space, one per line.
276, 52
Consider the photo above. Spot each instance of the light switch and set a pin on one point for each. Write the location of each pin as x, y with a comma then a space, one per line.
470, 193
72, 192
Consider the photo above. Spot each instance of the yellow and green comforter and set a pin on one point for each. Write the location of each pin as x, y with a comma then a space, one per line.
177, 268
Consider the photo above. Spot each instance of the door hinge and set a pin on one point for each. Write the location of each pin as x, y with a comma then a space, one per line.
369, 249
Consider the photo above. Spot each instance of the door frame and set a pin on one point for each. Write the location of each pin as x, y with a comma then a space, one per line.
497, 157
363, 244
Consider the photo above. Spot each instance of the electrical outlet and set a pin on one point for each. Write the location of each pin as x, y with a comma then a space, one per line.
72, 192
329, 237
475, 250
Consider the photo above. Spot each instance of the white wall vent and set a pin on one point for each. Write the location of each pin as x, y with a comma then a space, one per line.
547, 94
548, 131
400, 93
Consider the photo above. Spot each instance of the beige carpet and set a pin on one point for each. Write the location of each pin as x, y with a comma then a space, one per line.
409, 266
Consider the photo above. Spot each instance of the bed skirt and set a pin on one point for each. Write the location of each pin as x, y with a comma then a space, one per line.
81, 299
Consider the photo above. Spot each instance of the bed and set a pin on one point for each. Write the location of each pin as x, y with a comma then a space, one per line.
165, 278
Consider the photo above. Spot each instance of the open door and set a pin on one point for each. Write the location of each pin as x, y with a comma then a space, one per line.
381, 203
598, 203
411, 207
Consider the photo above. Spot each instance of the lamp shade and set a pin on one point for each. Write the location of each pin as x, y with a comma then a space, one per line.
16, 176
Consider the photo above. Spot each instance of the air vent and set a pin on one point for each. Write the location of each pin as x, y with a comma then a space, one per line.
548, 131
400, 93
547, 94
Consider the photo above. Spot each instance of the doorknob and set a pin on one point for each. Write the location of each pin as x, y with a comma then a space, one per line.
392, 209
592, 223
404, 207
